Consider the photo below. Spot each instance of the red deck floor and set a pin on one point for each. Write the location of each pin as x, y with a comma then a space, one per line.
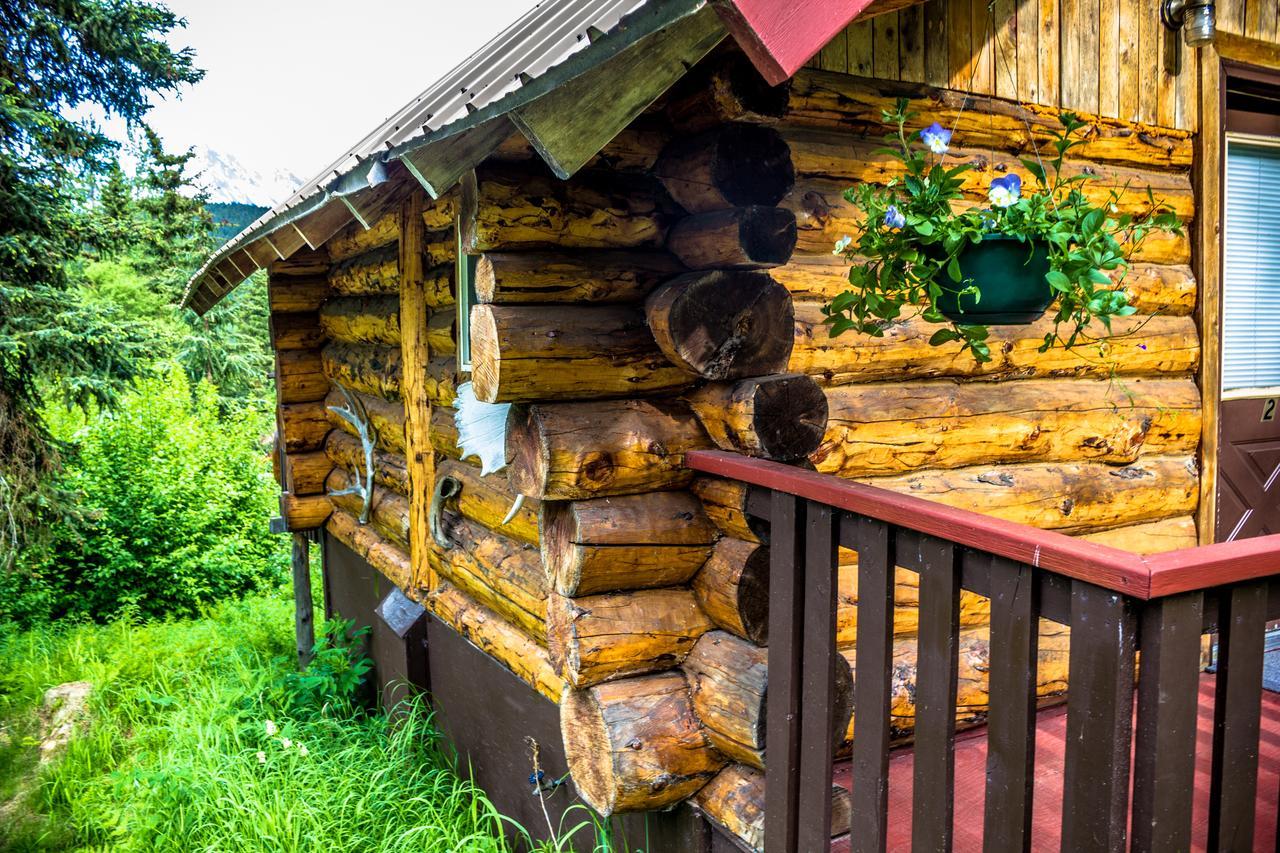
971, 754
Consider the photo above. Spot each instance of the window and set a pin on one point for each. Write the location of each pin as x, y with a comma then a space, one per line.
465, 295
1251, 266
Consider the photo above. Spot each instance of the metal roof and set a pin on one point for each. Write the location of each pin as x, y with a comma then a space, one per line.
554, 42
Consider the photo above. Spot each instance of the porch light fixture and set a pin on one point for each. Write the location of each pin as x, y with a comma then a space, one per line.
1194, 17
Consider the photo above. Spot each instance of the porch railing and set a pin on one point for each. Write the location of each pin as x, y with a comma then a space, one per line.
1115, 602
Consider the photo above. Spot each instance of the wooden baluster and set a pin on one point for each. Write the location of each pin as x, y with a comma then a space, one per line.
869, 829
1168, 698
1099, 721
1011, 722
786, 626
818, 672
1237, 714
933, 785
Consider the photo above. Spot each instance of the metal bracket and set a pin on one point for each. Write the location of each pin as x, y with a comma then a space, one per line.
446, 488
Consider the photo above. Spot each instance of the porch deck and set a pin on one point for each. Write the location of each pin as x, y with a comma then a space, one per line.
1051, 736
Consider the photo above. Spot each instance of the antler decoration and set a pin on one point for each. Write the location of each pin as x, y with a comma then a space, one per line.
355, 414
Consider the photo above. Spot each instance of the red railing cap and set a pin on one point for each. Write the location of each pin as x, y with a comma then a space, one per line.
1123, 571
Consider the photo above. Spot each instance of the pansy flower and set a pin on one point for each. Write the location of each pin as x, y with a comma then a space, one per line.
893, 217
936, 138
1004, 192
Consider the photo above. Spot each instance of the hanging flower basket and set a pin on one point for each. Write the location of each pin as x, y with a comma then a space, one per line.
1010, 284
926, 249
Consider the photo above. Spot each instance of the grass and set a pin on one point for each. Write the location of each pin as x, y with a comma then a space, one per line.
180, 757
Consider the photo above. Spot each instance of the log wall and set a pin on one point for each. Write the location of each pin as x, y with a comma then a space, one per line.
667, 298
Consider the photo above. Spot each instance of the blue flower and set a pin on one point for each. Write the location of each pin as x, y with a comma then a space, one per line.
936, 137
893, 217
1004, 192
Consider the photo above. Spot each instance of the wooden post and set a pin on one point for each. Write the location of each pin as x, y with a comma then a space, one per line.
419, 455
304, 608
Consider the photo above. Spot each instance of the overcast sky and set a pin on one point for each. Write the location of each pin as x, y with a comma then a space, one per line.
293, 83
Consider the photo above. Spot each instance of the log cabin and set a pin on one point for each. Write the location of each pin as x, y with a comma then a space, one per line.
713, 538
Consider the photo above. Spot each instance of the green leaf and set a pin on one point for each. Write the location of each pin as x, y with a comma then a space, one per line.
1058, 281
943, 336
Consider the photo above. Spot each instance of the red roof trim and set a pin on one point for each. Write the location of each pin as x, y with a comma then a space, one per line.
782, 35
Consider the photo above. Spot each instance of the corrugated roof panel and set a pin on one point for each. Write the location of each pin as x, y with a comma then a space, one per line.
541, 40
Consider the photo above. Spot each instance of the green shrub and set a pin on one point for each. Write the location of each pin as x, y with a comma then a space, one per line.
173, 507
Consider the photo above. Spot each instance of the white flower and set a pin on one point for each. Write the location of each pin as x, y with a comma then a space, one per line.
285, 742
262, 757
303, 751
270, 726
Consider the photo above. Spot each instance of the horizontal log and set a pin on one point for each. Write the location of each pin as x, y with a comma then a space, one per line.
972, 696
889, 428
722, 324
504, 575
488, 499
1150, 537
1151, 288
444, 432
292, 294
389, 559
304, 512
823, 97
362, 319
824, 216
517, 209
840, 156
725, 502
725, 90
303, 263
296, 331
1066, 496
599, 638
355, 239
388, 510
377, 272
367, 368
496, 637
389, 469
441, 385
779, 417
305, 473
441, 333
728, 166
443, 212
634, 149
439, 291
734, 238
300, 376
735, 802
303, 426
386, 417
525, 352
1140, 346
635, 745
728, 678
583, 276
619, 543
571, 451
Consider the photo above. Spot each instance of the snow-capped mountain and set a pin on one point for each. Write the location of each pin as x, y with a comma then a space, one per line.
226, 179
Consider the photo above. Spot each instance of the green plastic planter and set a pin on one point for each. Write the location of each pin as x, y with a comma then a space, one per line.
1011, 276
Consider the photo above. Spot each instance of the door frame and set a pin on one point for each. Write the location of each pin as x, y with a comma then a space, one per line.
1229, 56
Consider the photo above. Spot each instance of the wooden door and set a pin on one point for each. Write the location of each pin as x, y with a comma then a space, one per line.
1249, 431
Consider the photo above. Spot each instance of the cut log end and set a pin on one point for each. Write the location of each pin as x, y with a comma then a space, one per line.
735, 238
723, 324
585, 740
528, 462
729, 166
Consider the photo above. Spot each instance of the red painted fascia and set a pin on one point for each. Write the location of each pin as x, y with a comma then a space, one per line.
782, 35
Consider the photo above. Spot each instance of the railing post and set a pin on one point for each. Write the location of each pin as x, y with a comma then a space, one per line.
1164, 763
872, 682
1099, 721
1011, 735
786, 626
818, 672
1237, 715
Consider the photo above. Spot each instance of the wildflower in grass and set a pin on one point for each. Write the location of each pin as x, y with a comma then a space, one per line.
303, 751
1004, 192
262, 757
285, 742
270, 726
893, 217
936, 138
